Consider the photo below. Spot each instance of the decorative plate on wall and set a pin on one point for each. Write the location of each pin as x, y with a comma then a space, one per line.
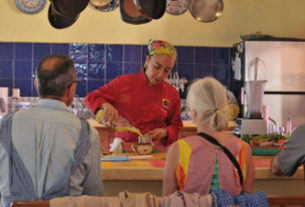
105, 5
177, 7
30, 6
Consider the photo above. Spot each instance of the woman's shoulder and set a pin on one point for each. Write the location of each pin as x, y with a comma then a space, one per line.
192, 137
194, 141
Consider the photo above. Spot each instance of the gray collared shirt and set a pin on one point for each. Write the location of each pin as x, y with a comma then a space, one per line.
46, 137
293, 154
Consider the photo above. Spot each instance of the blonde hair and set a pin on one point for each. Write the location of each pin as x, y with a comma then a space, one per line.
208, 98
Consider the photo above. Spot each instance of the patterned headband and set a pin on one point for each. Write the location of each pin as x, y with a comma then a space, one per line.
161, 47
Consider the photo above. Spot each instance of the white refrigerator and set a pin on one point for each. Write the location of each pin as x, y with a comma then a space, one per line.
282, 65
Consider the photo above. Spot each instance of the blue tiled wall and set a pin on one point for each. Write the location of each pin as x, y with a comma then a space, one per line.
97, 64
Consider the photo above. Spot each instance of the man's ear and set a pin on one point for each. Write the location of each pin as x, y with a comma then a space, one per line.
69, 91
146, 61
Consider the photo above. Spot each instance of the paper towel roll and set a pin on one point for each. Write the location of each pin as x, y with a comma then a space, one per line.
15, 93
4, 96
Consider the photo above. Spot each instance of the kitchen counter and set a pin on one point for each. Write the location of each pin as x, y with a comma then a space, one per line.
188, 125
153, 169
146, 175
107, 134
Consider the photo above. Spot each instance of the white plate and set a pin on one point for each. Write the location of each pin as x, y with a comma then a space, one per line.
177, 7
30, 6
140, 157
105, 7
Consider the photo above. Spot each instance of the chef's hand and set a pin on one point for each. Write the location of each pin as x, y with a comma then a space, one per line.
111, 114
158, 133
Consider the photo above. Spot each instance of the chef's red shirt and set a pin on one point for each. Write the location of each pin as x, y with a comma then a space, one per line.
145, 106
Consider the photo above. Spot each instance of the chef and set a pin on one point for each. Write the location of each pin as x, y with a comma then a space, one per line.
145, 99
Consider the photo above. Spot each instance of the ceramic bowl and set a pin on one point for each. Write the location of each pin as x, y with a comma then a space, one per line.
142, 149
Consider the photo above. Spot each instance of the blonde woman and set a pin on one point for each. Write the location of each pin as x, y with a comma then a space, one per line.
194, 164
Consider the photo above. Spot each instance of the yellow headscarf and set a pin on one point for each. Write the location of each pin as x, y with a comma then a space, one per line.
161, 47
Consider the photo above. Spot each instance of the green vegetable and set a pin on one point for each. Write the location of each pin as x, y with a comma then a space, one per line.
247, 137
271, 137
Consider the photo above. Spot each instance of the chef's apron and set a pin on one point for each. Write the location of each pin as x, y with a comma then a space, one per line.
20, 182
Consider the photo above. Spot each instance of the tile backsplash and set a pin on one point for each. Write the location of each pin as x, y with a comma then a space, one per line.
97, 64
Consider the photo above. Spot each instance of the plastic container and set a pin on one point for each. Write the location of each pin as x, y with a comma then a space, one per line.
288, 125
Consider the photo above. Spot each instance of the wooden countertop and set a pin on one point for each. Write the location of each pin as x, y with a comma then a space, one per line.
152, 169
134, 169
188, 125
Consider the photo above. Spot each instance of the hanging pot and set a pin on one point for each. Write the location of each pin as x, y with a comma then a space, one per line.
69, 7
152, 9
59, 21
206, 10
63, 13
130, 14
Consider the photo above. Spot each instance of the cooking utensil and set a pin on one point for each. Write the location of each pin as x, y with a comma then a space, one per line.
145, 139
254, 96
206, 10
142, 149
121, 124
60, 22
63, 13
130, 14
69, 7
151, 9
177, 7
130, 129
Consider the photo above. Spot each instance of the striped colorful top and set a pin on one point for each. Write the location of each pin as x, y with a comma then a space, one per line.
197, 162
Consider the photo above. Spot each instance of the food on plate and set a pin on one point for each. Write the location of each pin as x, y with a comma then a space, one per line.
264, 139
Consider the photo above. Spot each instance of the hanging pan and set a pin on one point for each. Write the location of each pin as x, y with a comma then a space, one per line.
130, 14
206, 10
64, 13
152, 9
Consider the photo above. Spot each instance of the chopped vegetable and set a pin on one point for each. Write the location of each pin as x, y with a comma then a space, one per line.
263, 139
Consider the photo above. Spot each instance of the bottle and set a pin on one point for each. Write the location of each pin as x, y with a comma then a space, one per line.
288, 125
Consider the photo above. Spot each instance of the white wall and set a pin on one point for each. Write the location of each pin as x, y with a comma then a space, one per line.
282, 18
